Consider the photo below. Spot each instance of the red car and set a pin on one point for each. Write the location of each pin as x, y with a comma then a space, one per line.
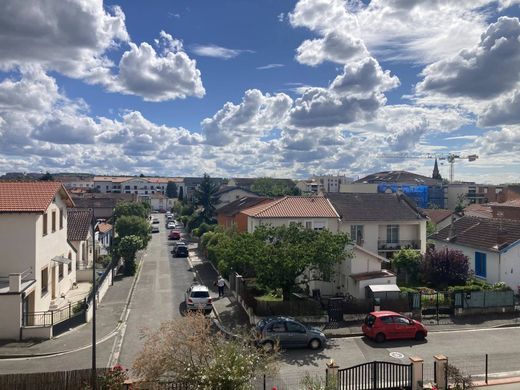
174, 235
387, 325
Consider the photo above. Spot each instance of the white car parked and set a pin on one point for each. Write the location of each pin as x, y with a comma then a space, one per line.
197, 298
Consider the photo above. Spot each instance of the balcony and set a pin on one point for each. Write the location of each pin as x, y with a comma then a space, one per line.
384, 246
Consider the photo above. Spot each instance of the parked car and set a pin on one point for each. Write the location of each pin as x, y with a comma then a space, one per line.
170, 225
289, 333
174, 235
197, 298
181, 251
178, 243
155, 221
155, 229
387, 325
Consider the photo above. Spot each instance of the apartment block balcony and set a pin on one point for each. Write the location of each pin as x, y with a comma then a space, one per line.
384, 246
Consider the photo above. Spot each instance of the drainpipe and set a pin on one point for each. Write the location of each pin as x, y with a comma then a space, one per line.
499, 266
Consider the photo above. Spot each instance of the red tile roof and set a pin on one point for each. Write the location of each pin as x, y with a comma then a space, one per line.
78, 224
104, 227
437, 215
509, 203
294, 207
30, 197
478, 210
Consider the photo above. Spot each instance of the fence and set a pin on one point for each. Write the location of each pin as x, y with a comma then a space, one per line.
52, 317
486, 367
484, 299
75, 379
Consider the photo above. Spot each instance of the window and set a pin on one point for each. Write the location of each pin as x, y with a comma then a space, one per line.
69, 267
392, 234
61, 219
308, 224
480, 264
401, 321
356, 234
45, 224
45, 281
319, 225
278, 327
295, 328
60, 271
53, 221
387, 320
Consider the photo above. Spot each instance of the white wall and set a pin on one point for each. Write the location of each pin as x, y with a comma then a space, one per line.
11, 320
17, 240
330, 223
510, 268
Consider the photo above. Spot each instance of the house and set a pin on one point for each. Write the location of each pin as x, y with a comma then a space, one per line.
331, 183
507, 210
103, 205
492, 246
228, 194
424, 190
79, 234
313, 212
85, 182
440, 217
381, 223
478, 210
229, 215
247, 182
189, 184
308, 186
37, 262
159, 202
141, 186
104, 236
354, 274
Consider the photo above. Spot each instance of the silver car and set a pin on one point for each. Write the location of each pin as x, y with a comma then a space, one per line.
288, 333
197, 298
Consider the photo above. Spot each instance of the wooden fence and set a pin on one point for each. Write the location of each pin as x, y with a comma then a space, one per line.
59, 380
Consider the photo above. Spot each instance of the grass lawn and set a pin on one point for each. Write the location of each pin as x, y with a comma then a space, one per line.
269, 298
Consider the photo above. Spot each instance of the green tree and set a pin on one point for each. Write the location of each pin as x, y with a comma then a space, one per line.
171, 190
181, 194
127, 249
205, 197
267, 186
131, 225
130, 209
279, 255
406, 263
47, 177
430, 228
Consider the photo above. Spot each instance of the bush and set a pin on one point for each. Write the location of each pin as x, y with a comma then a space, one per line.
445, 267
104, 260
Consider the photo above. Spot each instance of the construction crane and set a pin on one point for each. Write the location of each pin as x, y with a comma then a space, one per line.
450, 158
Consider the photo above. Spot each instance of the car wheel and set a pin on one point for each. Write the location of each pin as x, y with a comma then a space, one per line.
314, 344
380, 337
420, 336
268, 346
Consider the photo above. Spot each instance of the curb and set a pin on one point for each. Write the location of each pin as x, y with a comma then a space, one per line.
102, 339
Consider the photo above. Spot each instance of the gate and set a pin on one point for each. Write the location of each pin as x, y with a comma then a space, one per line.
437, 305
335, 309
376, 376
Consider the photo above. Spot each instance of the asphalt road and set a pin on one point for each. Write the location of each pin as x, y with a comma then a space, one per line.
159, 292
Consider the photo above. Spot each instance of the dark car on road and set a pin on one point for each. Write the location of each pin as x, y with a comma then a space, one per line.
387, 325
288, 333
181, 251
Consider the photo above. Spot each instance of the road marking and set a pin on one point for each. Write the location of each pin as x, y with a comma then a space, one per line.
397, 355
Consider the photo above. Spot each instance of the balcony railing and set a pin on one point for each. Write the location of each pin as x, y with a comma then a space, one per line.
383, 245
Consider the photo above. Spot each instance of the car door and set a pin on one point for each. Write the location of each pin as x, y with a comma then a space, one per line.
387, 327
296, 334
278, 332
403, 327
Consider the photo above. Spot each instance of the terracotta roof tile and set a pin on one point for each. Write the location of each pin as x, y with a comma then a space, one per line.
78, 224
509, 203
30, 197
478, 210
104, 227
294, 207
437, 215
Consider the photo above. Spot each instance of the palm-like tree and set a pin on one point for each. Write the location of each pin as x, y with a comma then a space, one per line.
205, 197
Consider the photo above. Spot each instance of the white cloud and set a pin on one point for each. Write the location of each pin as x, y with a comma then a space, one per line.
270, 66
217, 51
503, 141
71, 39
503, 111
485, 71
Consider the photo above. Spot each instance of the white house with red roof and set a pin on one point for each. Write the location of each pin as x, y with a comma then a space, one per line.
37, 262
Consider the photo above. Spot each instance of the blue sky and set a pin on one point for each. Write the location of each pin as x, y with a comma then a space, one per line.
260, 88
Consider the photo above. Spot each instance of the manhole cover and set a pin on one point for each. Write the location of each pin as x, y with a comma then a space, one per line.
397, 355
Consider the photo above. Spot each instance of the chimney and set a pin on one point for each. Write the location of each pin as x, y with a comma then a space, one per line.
451, 234
15, 282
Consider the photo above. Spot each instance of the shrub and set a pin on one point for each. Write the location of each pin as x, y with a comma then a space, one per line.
104, 260
445, 267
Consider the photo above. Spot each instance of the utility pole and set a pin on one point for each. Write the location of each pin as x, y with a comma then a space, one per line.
94, 374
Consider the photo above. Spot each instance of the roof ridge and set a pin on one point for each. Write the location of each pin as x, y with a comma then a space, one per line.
270, 205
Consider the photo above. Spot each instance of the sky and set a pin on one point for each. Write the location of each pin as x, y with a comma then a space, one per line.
249, 88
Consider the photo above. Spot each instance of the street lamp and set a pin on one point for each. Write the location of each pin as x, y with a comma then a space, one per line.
94, 375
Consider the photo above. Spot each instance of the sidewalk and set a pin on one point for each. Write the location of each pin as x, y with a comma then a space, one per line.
108, 315
228, 311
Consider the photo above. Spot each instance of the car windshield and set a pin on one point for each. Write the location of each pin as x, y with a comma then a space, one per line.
199, 294
369, 320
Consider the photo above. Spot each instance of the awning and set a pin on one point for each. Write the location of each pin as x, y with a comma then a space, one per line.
384, 288
62, 260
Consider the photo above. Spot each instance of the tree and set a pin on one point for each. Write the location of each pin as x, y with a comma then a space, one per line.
431, 228
47, 177
277, 256
181, 194
406, 262
130, 209
205, 197
188, 351
131, 225
267, 186
171, 190
445, 267
127, 249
